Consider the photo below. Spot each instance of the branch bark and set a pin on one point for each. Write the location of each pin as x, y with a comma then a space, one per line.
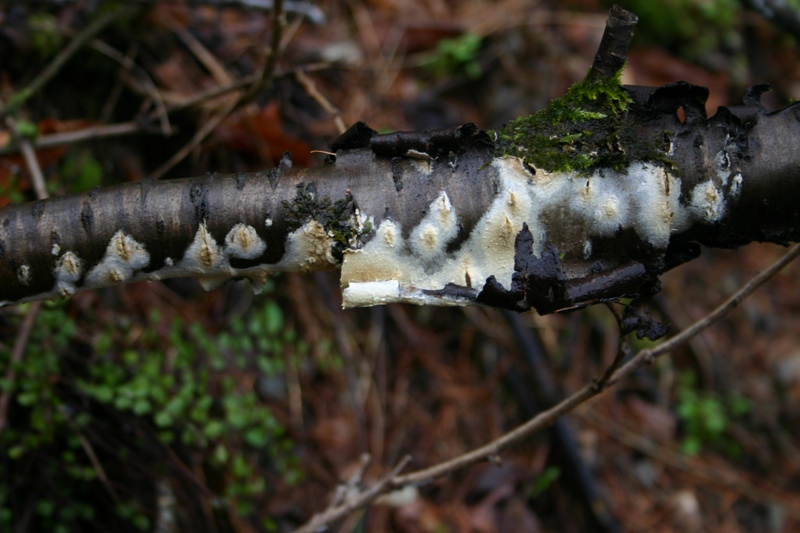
439, 217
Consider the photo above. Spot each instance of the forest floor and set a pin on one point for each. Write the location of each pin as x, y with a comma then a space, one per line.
272, 401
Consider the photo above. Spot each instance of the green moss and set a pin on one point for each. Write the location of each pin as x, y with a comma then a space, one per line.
588, 128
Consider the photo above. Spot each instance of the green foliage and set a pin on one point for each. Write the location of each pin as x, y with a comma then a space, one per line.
81, 170
456, 56
27, 129
706, 416
11, 189
548, 476
688, 27
162, 383
45, 35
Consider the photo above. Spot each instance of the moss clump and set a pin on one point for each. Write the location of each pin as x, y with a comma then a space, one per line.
578, 132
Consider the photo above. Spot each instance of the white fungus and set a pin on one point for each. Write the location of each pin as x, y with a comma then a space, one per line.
124, 255
645, 198
24, 274
69, 268
243, 242
203, 254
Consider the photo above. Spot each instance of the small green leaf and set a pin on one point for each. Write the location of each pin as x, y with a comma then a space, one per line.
273, 318
27, 129
163, 419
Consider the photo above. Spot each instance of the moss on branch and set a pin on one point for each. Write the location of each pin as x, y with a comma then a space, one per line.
578, 132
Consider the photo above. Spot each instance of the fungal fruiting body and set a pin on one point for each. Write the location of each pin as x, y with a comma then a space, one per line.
644, 197
69, 268
123, 257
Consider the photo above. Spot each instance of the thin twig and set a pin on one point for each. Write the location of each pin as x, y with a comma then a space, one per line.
622, 350
29, 155
24, 333
348, 503
233, 102
729, 305
311, 88
197, 138
545, 418
613, 50
127, 128
265, 80
98, 467
61, 59
83, 134
142, 77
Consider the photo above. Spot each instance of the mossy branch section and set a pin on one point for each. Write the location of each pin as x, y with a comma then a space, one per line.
586, 129
577, 132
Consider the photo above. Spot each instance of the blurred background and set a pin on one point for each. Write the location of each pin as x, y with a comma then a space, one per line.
160, 407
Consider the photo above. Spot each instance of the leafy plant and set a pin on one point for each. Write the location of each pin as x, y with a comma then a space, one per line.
82, 413
455, 56
705, 416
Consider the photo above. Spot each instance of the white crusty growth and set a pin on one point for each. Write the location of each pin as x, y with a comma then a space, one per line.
123, 257
69, 268
308, 248
243, 242
646, 198
203, 254
439, 226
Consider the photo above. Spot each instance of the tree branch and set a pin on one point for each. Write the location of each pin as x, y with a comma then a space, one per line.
613, 50
442, 217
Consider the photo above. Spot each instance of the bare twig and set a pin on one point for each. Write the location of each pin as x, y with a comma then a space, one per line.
346, 501
613, 50
545, 418
127, 128
623, 350
203, 55
29, 155
267, 74
61, 59
197, 138
98, 467
233, 102
142, 77
311, 88
24, 333
83, 134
